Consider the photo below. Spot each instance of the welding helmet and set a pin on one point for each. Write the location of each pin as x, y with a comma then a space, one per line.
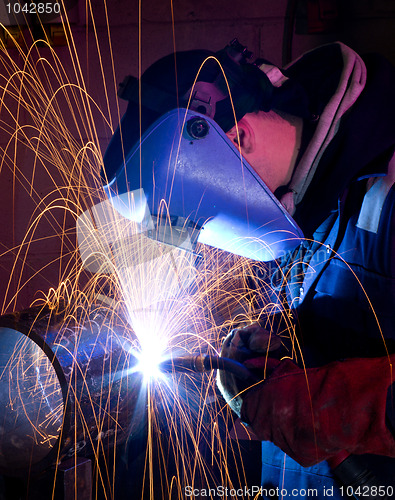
192, 176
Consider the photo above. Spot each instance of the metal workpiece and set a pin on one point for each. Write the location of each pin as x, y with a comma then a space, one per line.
67, 385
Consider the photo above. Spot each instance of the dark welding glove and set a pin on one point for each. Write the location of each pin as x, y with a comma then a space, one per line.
243, 344
311, 414
314, 414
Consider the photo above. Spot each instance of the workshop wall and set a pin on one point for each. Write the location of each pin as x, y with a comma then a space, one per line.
124, 37
277, 30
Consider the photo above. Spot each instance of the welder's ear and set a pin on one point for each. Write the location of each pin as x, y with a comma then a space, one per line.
243, 135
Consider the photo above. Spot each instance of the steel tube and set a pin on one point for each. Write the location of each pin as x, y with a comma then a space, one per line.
67, 385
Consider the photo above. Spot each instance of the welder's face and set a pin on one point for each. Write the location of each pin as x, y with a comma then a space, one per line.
270, 143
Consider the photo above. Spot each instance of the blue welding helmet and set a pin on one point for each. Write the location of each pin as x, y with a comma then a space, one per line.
197, 185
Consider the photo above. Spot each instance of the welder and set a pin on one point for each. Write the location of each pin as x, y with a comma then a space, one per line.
320, 135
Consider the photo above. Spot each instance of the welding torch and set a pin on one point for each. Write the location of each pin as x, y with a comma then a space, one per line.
345, 467
200, 363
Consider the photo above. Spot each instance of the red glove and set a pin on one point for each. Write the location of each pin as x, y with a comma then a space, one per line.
314, 414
